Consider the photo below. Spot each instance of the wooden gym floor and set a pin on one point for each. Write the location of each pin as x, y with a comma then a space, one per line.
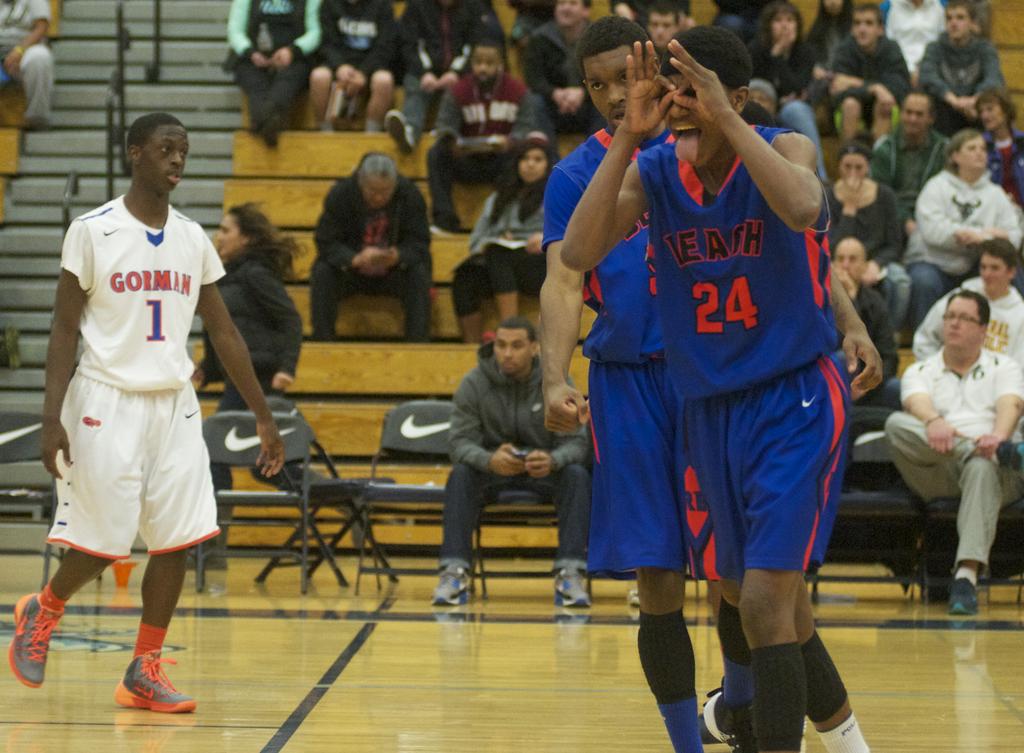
386, 673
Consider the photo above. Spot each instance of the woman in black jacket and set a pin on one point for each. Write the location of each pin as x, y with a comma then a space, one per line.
257, 259
782, 56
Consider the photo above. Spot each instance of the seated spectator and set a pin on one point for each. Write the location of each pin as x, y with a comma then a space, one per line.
913, 25
504, 249
1005, 143
499, 443
831, 26
530, 15
864, 209
664, 19
908, 157
257, 259
436, 37
998, 265
849, 263
674, 13
958, 405
553, 72
780, 55
957, 210
739, 17
478, 121
359, 38
372, 239
870, 76
957, 68
762, 92
272, 45
27, 58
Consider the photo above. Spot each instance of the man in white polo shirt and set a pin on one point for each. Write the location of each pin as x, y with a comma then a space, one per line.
958, 405
998, 264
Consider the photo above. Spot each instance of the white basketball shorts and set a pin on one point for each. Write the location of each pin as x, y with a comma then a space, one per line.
138, 465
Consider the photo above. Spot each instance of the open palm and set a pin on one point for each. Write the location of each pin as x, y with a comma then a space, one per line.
649, 94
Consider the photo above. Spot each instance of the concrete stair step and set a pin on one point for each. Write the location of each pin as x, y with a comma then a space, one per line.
51, 215
31, 241
21, 379
94, 143
27, 475
207, 73
33, 350
104, 51
220, 120
30, 266
148, 97
140, 10
28, 295
78, 28
92, 191
56, 165
23, 401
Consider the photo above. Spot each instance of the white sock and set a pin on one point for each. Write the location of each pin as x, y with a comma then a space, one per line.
846, 738
967, 572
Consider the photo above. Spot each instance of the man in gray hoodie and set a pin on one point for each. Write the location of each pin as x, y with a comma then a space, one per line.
498, 442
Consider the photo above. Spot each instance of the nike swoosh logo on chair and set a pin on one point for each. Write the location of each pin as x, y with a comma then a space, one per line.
235, 443
410, 430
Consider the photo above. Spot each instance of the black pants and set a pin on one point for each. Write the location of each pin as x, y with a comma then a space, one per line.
444, 169
585, 120
949, 120
468, 489
513, 270
471, 285
329, 286
270, 92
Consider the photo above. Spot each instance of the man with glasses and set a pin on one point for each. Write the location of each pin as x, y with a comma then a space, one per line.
958, 405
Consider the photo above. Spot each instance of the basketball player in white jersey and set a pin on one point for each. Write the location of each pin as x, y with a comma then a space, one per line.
127, 425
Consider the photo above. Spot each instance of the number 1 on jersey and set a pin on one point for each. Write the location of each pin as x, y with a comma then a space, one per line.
157, 331
739, 306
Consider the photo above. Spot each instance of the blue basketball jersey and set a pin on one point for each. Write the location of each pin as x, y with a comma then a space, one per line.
620, 288
742, 297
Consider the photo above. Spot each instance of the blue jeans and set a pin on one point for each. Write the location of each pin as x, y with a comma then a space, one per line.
799, 116
928, 284
896, 289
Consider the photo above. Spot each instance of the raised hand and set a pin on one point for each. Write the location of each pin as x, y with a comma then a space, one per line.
649, 94
709, 99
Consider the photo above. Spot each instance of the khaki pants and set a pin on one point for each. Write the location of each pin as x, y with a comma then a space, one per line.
984, 488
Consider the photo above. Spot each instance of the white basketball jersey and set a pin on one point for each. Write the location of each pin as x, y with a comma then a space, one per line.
143, 287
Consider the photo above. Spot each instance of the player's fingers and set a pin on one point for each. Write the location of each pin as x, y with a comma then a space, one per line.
50, 464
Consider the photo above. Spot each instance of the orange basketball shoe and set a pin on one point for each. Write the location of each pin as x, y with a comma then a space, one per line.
145, 686
33, 625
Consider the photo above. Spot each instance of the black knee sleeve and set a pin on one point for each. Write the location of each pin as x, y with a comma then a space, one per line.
826, 693
666, 656
730, 634
780, 705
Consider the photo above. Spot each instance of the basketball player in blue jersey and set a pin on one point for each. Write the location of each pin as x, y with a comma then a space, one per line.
645, 503
743, 291
125, 420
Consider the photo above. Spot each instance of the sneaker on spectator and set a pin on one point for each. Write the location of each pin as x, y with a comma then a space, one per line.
571, 589
633, 598
452, 588
963, 597
400, 130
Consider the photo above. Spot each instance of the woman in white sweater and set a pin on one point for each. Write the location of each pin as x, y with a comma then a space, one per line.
957, 209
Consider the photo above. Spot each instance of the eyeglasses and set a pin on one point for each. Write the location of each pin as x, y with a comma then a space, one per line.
962, 318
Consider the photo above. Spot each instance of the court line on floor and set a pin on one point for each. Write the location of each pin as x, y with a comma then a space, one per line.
317, 692
581, 618
134, 725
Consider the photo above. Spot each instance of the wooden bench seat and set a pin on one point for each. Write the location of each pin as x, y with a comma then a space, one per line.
389, 369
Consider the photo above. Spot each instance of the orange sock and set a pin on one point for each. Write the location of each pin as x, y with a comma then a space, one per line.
150, 639
47, 600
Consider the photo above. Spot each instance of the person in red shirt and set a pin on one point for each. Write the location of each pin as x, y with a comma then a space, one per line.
479, 119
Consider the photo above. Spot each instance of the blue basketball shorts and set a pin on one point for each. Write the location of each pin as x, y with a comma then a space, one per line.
647, 508
770, 460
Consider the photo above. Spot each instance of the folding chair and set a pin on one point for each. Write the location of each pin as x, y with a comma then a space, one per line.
232, 440
414, 430
511, 507
19, 443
